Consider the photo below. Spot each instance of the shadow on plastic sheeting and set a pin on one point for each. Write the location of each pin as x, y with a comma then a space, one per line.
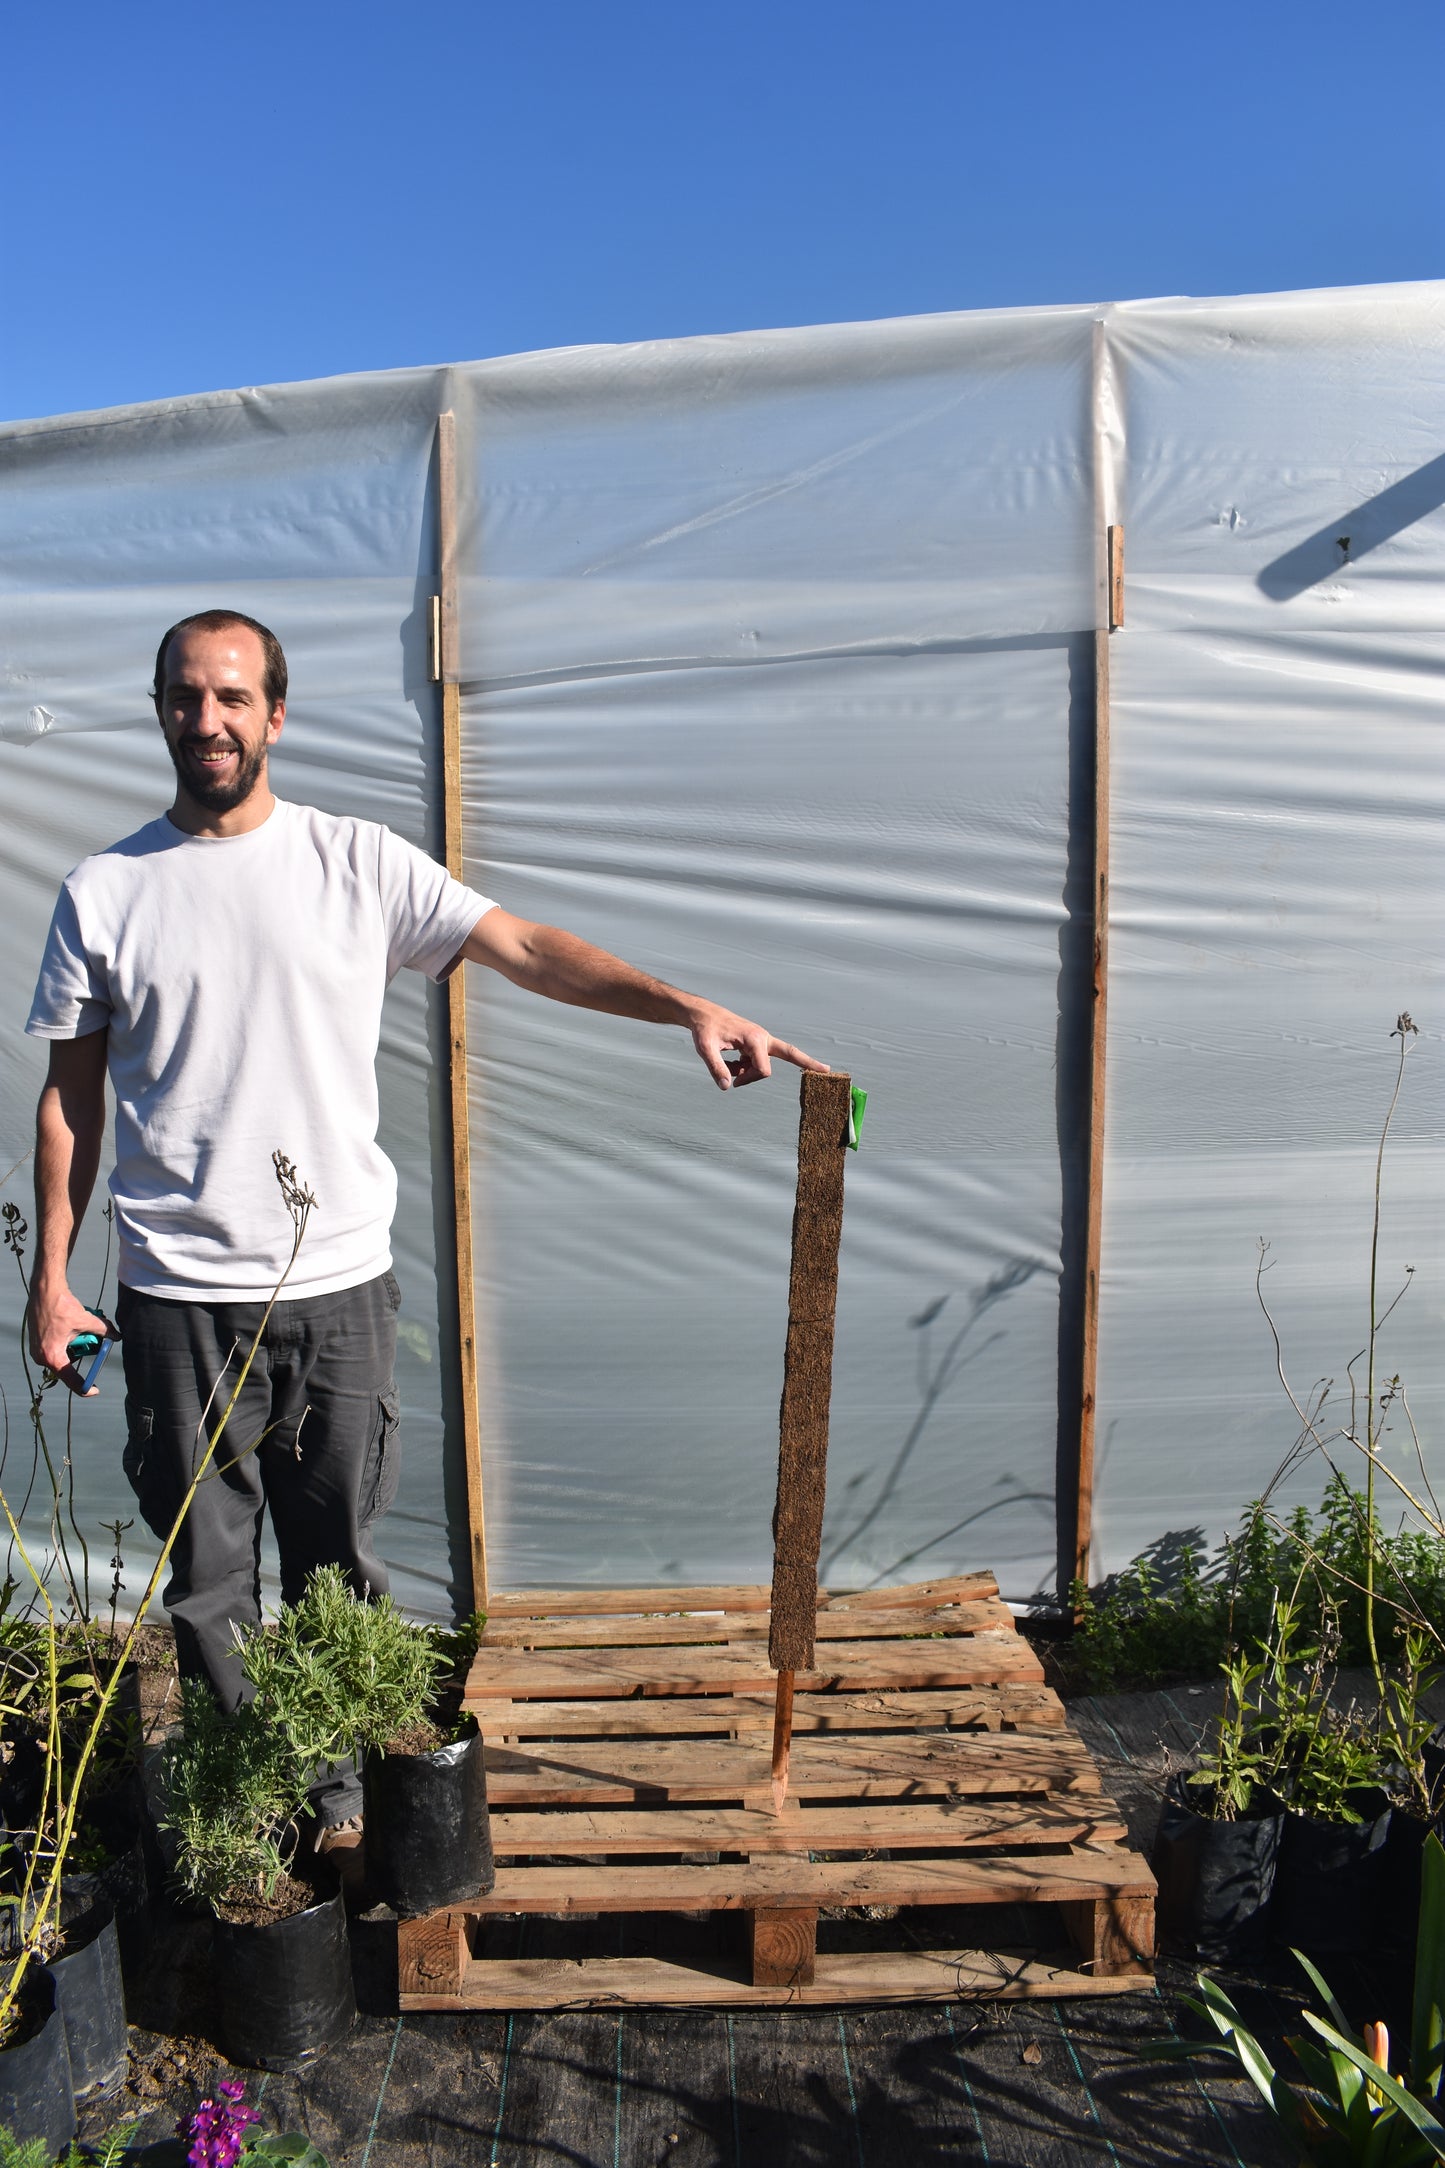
1379, 519
1171, 1559
938, 1369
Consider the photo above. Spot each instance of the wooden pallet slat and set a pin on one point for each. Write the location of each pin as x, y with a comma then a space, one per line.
1027, 1704
846, 1666
499, 1983
698, 1628
1083, 1874
628, 1736
891, 1823
916, 1595
567, 1772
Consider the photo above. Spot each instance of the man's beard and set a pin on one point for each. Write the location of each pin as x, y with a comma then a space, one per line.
218, 797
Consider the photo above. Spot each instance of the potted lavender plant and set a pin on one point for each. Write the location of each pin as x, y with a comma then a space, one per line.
235, 1790
347, 1677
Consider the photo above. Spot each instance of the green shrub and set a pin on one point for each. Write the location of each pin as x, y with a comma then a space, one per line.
234, 1788
1177, 1612
339, 1674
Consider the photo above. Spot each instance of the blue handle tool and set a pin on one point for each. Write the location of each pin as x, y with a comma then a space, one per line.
94, 1346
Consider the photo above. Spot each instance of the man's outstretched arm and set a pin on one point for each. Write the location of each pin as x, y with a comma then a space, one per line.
69, 1126
547, 961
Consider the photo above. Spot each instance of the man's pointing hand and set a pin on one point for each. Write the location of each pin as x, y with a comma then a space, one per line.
717, 1032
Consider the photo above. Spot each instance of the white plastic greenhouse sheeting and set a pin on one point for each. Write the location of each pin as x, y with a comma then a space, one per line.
777, 679
1278, 885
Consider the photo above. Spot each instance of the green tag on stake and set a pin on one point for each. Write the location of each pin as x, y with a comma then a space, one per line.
858, 1100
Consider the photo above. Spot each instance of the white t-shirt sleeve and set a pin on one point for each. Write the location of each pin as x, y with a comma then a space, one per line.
72, 997
428, 915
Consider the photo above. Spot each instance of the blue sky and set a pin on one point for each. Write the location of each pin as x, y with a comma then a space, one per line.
193, 197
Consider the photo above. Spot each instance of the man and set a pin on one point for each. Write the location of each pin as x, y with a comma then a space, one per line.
226, 965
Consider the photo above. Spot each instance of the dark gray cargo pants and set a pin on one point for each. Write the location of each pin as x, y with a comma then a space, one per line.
313, 1436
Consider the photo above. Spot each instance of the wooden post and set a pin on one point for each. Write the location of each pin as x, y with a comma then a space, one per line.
432, 1954
1109, 547
825, 1102
782, 1737
784, 1945
1113, 1935
446, 663
1094, 1222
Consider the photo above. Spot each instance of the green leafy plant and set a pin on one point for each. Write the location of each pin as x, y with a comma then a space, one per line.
234, 1790
35, 2153
1324, 1755
113, 2148
216, 2134
1351, 2110
1242, 1761
339, 1674
1410, 1727
335, 1675
24, 2152
1177, 1611
1279, 1733
459, 1644
1163, 1616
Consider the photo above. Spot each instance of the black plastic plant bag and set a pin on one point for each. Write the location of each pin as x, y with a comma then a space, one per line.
36, 2100
428, 1833
1331, 1878
1216, 1879
285, 1988
92, 2003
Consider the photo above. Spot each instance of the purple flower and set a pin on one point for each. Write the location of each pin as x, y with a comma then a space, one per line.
217, 2130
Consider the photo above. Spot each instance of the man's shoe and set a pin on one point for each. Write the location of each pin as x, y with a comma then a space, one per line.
343, 1846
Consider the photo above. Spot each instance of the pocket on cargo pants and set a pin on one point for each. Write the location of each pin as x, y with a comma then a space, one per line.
140, 1423
383, 1460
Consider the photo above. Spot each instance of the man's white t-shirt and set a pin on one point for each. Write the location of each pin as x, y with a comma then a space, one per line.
241, 978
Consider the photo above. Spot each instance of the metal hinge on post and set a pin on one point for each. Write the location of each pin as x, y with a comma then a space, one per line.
434, 640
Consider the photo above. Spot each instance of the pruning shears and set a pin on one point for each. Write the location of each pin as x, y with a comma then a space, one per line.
91, 1347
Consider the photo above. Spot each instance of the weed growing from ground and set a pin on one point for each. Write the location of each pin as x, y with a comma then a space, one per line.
1179, 1613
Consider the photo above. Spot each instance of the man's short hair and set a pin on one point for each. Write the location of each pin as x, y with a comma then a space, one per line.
273, 674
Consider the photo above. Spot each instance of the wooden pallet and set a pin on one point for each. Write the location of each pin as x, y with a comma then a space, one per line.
628, 1735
